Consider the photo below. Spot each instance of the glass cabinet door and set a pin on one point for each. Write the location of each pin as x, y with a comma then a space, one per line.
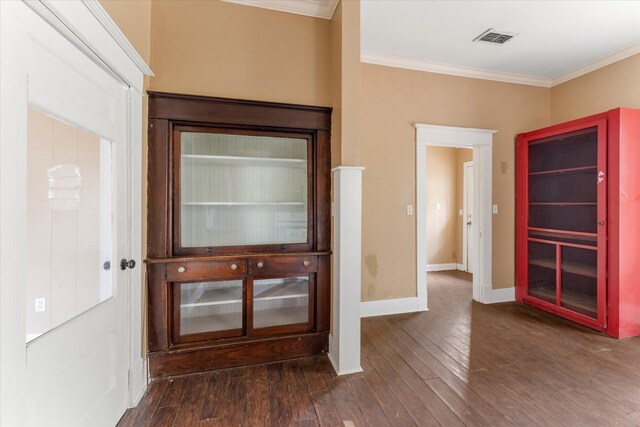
211, 309
281, 301
241, 189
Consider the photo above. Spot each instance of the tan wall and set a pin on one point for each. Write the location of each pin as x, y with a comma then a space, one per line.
441, 205
616, 85
392, 101
462, 156
228, 50
134, 19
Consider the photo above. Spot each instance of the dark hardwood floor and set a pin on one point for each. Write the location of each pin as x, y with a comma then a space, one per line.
461, 363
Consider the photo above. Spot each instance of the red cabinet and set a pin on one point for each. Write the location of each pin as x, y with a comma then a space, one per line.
578, 221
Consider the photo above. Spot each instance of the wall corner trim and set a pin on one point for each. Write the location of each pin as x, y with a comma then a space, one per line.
344, 342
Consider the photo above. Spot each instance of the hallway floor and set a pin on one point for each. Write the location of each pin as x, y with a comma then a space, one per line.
460, 363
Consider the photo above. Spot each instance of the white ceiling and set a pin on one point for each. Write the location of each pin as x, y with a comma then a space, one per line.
556, 40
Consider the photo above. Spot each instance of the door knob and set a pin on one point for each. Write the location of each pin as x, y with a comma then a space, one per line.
260, 264
234, 266
124, 264
306, 263
469, 223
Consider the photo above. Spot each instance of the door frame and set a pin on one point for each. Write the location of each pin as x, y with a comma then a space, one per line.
89, 28
465, 208
481, 141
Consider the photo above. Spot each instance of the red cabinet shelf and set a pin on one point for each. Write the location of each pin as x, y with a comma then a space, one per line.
577, 228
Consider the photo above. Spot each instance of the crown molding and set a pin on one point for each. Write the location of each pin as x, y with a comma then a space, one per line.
633, 50
315, 8
105, 20
477, 73
453, 70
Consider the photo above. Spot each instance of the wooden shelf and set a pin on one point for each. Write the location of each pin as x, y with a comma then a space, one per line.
243, 203
571, 300
567, 170
567, 266
218, 296
223, 296
287, 290
198, 159
534, 234
563, 204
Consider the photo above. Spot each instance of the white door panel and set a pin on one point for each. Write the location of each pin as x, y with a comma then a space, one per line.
77, 372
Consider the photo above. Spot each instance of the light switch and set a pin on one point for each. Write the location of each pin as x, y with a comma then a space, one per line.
495, 209
40, 304
438, 206
409, 210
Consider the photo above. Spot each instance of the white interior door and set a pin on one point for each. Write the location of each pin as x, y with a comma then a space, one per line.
65, 227
467, 212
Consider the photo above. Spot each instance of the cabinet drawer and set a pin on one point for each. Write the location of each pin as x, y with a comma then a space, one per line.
283, 265
206, 270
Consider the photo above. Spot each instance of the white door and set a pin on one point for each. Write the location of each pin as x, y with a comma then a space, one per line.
65, 227
467, 212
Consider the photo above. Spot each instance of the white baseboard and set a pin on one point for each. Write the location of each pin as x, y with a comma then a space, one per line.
389, 306
460, 267
502, 295
441, 267
138, 379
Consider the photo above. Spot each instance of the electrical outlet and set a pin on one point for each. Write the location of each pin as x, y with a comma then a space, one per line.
409, 209
40, 304
460, 212
495, 209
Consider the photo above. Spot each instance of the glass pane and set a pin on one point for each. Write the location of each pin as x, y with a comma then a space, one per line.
282, 301
542, 271
579, 280
242, 190
210, 306
68, 222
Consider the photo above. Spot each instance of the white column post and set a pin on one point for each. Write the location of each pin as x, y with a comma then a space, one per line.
344, 342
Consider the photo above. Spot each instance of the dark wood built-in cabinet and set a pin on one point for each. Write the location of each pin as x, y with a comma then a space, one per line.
578, 221
238, 232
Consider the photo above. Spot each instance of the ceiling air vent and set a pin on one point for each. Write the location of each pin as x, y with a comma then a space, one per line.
494, 36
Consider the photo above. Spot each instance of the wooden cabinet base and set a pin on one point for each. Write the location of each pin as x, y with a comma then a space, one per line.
188, 361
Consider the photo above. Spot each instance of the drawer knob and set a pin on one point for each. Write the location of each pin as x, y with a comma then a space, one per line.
181, 269
306, 263
234, 266
260, 264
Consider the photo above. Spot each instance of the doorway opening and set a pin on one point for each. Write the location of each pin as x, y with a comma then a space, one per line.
477, 234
